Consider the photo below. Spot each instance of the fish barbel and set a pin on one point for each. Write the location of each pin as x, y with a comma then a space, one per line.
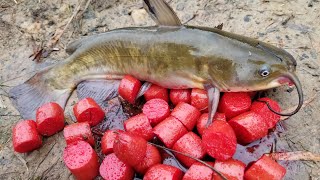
170, 55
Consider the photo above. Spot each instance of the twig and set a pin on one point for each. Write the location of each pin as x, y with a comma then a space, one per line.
295, 156
70, 119
57, 35
2, 105
191, 18
13, 115
46, 155
287, 20
85, 7
6, 173
2, 85
305, 103
49, 169
22, 160
59, 32
15, 1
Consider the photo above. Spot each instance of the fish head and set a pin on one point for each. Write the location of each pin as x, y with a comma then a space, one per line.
264, 67
246, 64
268, 67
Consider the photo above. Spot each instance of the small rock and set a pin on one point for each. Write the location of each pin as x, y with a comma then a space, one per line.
89, 14
313, 54
247, 18
300, 27
274, 29
2, 105
33, 27
311, 65
180, 7
305, 56
139, 16
51, 22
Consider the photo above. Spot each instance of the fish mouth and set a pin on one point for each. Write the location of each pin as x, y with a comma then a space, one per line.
290, 79
284, 80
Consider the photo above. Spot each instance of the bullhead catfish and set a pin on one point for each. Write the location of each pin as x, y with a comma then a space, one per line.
170, 55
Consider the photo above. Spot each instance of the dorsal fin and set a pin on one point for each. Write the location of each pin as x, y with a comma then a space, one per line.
161, 13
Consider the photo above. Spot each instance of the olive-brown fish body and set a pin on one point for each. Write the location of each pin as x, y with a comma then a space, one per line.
170, 57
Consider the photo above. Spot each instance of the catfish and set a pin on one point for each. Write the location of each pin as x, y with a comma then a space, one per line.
171, 55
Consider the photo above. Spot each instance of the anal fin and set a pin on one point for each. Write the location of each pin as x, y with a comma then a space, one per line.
214, 96
144, 88
99, 90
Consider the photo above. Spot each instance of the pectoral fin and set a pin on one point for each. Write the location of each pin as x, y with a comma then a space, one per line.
213, 98
161, 13
99, 90
145, 86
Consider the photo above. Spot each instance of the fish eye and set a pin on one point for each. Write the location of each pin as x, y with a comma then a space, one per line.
264, 71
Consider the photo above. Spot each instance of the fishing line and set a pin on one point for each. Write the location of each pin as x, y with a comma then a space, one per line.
189, 156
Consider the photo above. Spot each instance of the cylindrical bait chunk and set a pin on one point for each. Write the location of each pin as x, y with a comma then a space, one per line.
163, 172
50, 119
180, 95
156, 110
232, 169
234, 103
262, 109
186, 114
129, 88
81, 160
265, 168
140, 126
152, 158
78, 132
190, 144
156, 92
107, 141
203, 119
169, 131
199, 171
199, 99
248, 126
87, 110
130, 148
25, 136
112, 168
219, 140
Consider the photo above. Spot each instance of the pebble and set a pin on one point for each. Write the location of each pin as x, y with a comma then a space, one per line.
247, 18
139, 16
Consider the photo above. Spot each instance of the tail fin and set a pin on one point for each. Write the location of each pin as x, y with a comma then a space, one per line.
29, 96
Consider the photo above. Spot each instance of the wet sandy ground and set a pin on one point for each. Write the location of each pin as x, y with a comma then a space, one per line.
292, 25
